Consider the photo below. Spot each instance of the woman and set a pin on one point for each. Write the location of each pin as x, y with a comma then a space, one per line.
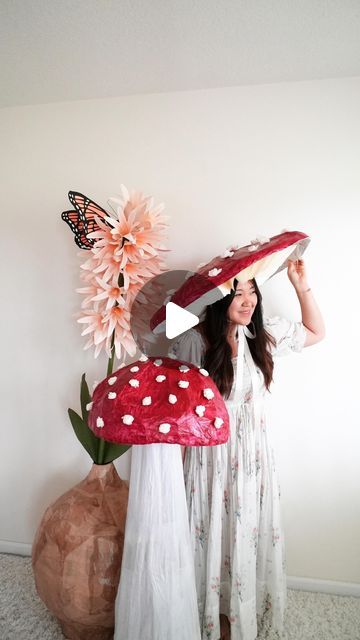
232, 491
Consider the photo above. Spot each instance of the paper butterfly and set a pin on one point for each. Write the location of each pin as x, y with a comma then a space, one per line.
82, 220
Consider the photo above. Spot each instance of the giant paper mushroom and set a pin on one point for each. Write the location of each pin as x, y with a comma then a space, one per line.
158, 402
261, 259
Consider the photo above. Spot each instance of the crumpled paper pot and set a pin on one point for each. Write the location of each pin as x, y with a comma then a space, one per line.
77, 553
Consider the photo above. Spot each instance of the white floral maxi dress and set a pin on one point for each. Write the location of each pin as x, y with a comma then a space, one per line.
234, 505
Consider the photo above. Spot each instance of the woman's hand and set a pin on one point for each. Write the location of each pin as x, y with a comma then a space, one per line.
310, 314
297, 275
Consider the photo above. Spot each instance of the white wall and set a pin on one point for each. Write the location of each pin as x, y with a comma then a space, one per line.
229, 163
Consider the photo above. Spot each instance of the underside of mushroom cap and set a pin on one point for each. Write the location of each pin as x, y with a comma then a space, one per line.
261, 259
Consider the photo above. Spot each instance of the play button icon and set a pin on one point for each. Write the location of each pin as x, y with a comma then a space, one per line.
155, 320
178, 320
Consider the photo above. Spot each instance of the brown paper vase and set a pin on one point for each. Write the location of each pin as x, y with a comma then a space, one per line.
77, 551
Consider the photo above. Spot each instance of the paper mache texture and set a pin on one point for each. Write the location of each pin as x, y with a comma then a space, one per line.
77, 553
159, 400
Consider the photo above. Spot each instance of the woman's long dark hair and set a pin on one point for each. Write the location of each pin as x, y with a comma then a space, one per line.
217, 358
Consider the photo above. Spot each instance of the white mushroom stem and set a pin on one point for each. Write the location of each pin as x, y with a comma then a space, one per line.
157, 594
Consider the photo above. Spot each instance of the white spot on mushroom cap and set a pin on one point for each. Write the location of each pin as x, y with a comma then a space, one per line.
112, 380
158, 362
203, 372
99, 422
133, 382
218, 422
172, 398
127, 418
183, 384
253, 247
164, 427
111, 395
183, 368
214, 272
143, 358
134, 369
208, 393
262, 239
160, 378
146, 401
89, 406
200, 410
227, 254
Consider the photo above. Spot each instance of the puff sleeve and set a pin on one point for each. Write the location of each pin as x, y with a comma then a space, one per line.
189, 346
290, 336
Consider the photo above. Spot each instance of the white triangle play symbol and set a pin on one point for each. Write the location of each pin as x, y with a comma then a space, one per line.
178, 320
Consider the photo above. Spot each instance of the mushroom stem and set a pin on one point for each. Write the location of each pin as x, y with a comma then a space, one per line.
157, 593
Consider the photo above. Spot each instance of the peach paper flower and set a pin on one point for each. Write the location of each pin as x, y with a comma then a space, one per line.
126, 254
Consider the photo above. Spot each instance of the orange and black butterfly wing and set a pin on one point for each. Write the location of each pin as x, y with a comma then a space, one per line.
79, 229
85, 207
82, 220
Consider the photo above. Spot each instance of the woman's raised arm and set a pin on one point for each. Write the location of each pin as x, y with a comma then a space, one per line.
310, 313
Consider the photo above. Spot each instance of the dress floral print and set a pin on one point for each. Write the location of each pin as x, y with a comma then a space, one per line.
234, 506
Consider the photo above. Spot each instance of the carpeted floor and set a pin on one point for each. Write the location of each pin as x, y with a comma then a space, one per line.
309, 616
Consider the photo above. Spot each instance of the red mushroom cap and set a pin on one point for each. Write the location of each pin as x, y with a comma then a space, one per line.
159, 400
256, 260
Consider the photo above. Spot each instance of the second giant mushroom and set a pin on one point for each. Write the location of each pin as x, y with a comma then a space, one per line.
158, 402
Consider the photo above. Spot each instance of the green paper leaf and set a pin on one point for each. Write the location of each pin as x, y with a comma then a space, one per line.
113, 451
85, 398
100, 451
88, 440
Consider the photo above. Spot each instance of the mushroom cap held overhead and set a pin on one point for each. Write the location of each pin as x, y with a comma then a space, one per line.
159, 400
261, 259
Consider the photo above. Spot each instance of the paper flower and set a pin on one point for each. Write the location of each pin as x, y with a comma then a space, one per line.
125, 248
